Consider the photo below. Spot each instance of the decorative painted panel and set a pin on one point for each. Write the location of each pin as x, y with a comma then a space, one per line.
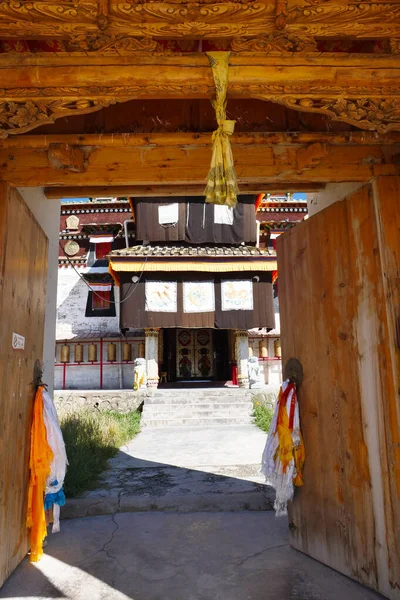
237, 295
161, 296
198, 296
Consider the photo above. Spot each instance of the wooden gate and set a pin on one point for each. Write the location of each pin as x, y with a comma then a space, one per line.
339, 298
23, 268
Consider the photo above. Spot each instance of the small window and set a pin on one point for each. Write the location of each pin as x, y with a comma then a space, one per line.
101, 250
101, 300
100, 303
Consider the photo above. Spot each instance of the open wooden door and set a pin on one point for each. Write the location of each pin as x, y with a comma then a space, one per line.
23, 269
339, 292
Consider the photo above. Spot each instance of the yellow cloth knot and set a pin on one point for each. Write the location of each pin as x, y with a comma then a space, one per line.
221, 180
226, 127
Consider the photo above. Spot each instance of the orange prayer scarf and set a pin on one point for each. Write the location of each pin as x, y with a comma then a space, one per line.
39, 464
286, 450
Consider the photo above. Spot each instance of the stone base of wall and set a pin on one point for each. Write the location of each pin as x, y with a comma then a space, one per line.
122, 401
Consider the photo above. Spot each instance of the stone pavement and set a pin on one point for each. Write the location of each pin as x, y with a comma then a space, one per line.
167, 556
184, 469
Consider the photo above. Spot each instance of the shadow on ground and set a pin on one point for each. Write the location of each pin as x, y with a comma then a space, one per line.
175, 548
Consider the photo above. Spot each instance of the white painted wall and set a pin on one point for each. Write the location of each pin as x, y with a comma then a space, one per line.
72, 296
333, 192
47, 214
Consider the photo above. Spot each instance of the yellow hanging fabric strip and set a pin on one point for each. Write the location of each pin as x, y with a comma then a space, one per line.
39, 464
222, 185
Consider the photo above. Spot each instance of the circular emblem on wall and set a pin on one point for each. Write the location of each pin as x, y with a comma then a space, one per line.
71, 248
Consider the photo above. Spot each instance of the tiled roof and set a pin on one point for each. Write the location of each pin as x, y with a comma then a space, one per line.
190, 252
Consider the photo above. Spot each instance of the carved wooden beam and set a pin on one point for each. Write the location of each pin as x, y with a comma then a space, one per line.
180, 164
361, 90
95, 25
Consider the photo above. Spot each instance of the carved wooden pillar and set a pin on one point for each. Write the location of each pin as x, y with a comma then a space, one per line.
151, 355
242, 356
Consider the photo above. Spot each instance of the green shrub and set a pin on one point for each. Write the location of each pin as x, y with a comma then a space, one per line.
263, 414
91, 438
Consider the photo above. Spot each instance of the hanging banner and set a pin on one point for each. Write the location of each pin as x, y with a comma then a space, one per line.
223, 215
198, 296
161, 296
237, 295
168, 214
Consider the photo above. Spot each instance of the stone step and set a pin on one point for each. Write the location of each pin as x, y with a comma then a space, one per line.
197, 393
187, 406
199, 399
199, 422
174, 489
195, 412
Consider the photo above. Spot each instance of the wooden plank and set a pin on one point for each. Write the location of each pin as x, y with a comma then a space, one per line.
386, 200
23, 268
144, 140
344, 515
156, 165
160, 191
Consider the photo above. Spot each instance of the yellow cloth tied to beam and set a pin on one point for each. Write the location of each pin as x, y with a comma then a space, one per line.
40, 462
222, 185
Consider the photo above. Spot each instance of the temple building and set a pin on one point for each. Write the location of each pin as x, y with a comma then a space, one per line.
195, 281
198, 250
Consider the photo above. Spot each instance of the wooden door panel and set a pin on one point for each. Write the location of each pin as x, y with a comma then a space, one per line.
23, 268
334, 320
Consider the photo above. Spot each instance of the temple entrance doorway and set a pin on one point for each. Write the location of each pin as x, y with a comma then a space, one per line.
195, 355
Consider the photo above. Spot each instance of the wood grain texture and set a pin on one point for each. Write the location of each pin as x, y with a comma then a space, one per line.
23, 268
331, 282
37, 91
189, 164
161, 191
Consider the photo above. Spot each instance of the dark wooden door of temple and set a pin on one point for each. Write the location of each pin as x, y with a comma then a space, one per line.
195, 354
340, 308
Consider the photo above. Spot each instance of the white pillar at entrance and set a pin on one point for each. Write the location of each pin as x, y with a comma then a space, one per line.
151, 355
242, 356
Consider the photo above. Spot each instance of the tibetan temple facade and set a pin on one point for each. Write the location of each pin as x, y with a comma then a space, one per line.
195, 282
177, 264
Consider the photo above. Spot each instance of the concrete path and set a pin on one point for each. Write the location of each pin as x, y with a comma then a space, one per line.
165, 556
184, 469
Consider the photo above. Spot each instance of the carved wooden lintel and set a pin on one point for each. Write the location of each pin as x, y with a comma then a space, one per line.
334, 89
376, 114
277, 42
21, 116
172, 19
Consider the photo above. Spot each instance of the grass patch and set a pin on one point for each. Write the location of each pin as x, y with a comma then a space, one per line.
91, 438
263, 416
